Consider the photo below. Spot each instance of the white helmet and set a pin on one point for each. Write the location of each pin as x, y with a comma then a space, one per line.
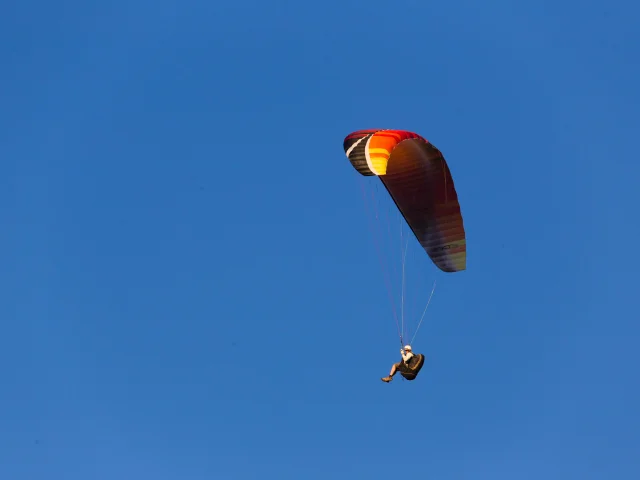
407, 347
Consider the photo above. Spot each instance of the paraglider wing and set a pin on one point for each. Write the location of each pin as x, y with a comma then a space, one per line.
418, 179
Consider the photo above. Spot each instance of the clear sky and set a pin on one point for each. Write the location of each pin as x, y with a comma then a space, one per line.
189, 285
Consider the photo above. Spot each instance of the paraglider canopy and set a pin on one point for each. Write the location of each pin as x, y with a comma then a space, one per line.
418, 179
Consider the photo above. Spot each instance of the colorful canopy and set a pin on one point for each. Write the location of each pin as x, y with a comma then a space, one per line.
417, 177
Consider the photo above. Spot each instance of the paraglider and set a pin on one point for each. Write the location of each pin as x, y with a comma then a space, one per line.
418, 179
409, 366
415, 174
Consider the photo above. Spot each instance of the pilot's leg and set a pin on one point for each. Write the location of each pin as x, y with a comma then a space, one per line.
394, 369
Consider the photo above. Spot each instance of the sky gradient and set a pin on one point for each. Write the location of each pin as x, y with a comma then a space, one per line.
189, 284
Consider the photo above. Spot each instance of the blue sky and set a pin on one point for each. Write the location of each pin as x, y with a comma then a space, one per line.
190, 288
